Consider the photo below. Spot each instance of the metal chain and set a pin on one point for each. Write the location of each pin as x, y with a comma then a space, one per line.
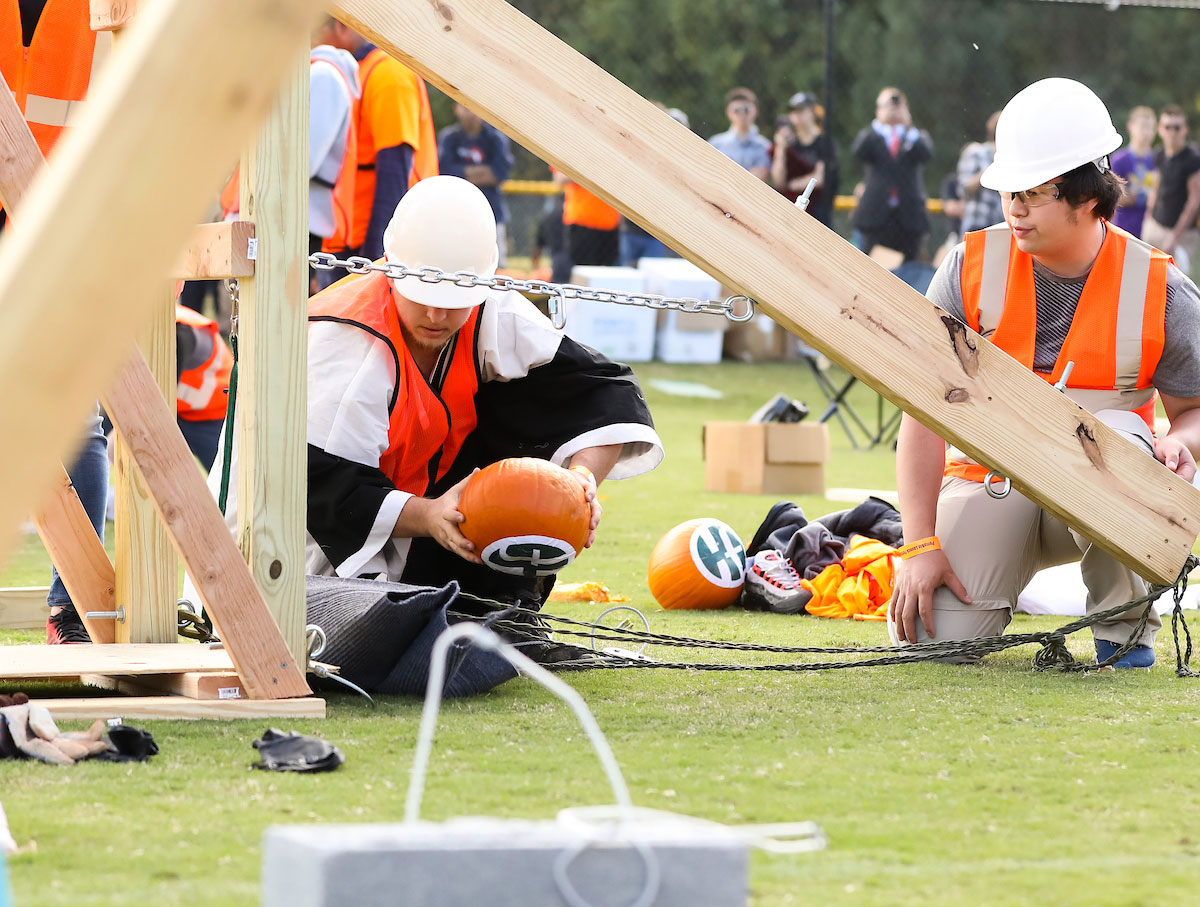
558, 292
1054, 653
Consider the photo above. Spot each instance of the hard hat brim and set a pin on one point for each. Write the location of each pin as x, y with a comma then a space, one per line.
441, 295
1018, 176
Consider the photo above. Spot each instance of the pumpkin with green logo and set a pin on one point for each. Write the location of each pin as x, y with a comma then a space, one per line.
525, 516
700, 564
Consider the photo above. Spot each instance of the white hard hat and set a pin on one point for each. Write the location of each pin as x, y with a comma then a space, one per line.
1048, 129
443, 222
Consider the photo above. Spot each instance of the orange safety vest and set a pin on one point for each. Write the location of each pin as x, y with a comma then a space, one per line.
414, 129
203, 392
427, 426
582, 208
50, 78
1115, 339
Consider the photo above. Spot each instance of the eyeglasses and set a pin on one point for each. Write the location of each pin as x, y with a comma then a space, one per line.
1172, 127
742, 108
1035, 197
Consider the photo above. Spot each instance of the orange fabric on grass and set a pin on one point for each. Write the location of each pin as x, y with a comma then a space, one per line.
859, 587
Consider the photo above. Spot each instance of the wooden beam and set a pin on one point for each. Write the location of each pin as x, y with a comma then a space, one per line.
145, 564
23, 607
272, 477
176, 707
200, 537
192, 684
576, 116
126, 185
43, 662
217, 252
79, 555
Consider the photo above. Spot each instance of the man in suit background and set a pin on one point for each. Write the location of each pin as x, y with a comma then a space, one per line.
891, 211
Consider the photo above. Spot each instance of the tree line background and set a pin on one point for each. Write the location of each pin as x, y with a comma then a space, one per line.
957, 60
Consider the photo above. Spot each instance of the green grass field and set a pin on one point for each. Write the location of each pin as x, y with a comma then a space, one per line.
988, 784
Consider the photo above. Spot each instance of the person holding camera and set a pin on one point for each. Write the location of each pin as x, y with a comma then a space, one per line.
803, 152
892, 211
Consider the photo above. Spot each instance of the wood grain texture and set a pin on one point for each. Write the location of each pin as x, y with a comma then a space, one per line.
220, 685
145, 563
20, 157
79, 555
23, 607
109, 15
577, 117
201, 540
216, 252
71, 661
272, 416
127, 183
177, 707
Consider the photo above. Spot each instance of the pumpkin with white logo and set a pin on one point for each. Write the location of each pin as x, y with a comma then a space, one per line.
525, 516
699, 565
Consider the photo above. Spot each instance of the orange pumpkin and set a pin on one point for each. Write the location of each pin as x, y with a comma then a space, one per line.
525, 516
700, 564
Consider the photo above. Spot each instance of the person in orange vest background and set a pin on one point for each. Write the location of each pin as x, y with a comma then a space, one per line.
397, 145
592, 225
203, 364
48, 54
1056, 283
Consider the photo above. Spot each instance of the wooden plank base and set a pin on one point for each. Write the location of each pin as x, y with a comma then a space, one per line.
42, 662
173, 707
23, 608
219, 685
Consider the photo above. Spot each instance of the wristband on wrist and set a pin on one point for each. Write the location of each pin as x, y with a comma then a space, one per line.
920, 547
584, 471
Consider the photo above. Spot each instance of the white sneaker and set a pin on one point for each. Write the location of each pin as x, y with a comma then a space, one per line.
772, 584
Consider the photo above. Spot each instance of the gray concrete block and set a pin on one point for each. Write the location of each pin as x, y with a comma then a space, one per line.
497, 863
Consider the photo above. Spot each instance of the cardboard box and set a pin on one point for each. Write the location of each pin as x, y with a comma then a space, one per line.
758, 340
684, 336
765, 458
621, 332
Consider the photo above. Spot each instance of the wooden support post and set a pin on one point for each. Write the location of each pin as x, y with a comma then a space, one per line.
201, 538
576, 116
79, 555
145, 564
272, 349
127, 184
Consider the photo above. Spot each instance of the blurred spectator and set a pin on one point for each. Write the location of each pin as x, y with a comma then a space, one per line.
981, 207
1171, 225
742, 141
637, 243
480, 154
396, 142
952, 208
891, 211
332, 147
802, 153
1135, 164
592, 225
203, 365
551, 239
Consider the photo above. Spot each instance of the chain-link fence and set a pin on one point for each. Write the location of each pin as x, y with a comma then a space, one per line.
955, 61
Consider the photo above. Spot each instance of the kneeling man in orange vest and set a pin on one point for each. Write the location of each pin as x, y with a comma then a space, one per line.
1056, 283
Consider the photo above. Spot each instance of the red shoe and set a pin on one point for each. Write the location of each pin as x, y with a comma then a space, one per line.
66, 628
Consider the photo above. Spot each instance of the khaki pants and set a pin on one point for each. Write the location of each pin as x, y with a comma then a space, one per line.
997, 545
1186, 254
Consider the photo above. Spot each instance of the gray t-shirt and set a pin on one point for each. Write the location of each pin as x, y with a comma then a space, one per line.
1178, 372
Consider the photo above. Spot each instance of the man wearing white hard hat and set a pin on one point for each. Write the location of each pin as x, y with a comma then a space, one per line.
412, 384
1056, 283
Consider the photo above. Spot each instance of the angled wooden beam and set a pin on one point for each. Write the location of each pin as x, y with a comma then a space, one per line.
257, 648
126, 184
576, 116
79, 555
